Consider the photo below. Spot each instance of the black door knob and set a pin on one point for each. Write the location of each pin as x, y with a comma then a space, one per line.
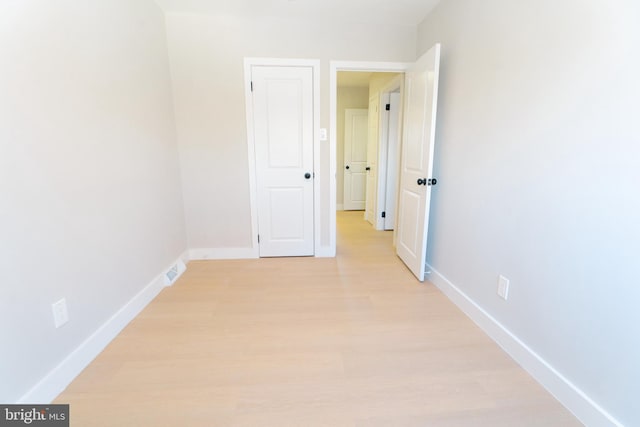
347, 167
307, 175
422, 181
368, 168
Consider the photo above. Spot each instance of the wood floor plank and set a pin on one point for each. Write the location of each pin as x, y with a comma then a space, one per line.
349, 341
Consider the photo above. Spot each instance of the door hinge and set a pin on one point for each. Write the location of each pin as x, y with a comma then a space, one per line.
258, 238
384, 214
251, 86
388, 107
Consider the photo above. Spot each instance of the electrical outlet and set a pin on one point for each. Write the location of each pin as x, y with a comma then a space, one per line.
60, 314
503, 287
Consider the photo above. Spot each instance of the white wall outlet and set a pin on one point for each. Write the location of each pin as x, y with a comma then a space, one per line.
60, 314
503, 287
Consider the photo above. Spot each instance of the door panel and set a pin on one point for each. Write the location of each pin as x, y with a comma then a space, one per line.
286, 224
357, 187
285, 140
283, 135
410, 214
355, 159
421, 96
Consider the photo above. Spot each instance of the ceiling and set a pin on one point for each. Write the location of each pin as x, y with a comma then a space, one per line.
393, 12
359, 78
353, 78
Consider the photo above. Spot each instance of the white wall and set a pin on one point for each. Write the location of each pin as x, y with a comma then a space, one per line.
537, 157
347, 97
206, 55
91, 206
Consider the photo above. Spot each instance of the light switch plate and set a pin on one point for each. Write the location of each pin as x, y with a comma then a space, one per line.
60, 313
503, 287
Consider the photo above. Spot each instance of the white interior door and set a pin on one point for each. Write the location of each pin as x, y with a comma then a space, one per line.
421, 93
283, 136
355, 159
372, 160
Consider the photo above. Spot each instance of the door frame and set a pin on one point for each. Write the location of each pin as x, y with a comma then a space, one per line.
314, 64
334, 68
397, 84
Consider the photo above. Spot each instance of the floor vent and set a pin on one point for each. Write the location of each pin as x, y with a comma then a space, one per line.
174, 272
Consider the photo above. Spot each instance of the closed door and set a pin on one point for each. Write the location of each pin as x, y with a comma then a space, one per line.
355, 159
421, 96
283, 136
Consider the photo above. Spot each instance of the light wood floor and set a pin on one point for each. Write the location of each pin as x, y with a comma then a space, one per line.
350, 341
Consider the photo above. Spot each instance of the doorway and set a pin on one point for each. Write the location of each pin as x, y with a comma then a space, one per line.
376, 87
419, 119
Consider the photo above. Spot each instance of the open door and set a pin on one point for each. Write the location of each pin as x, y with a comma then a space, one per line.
421, 96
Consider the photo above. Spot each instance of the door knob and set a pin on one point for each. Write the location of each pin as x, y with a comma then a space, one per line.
422, 181
307, 175
347, 167
367, 168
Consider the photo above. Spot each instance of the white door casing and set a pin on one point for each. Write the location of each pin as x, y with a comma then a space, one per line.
421, 95
283, 127
355, 159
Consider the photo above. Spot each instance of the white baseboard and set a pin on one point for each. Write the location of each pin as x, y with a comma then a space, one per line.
62, 375
325, 252
244, 253
223, 253
574, 399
